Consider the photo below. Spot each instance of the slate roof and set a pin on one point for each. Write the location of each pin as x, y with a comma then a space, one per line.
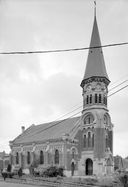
47, 131
95, 66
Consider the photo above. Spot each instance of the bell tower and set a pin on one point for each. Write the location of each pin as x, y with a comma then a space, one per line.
97, 129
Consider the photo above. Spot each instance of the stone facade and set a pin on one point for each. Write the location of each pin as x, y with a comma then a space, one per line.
59, 153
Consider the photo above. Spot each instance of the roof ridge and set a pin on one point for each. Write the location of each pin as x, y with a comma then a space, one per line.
56, 121
44, 133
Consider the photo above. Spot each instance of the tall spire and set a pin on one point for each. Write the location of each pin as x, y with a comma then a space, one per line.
95, 66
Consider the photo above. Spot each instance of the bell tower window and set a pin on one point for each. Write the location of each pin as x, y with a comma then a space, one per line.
90, 99
99, 98
95, 98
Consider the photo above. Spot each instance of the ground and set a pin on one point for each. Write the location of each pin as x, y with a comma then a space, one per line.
104, 181
7, 184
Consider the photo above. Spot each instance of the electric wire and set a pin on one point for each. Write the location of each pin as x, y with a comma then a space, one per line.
60, 50
58, 122
78, 112
81, 102
118, 90
68, 113
121, 78
117, 85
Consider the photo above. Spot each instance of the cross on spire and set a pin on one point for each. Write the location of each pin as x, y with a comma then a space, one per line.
95, 8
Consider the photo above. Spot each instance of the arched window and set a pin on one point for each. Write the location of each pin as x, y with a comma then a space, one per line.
90, 99
41, 157
106, 100
84, 141
87, 101
95, 98
88, 119
28, 157
93, 140
73, 152
56, 156
89, 139
17, 158
105, 120
106, 141
99, 98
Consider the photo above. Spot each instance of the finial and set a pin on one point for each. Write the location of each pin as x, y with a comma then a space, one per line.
95, 8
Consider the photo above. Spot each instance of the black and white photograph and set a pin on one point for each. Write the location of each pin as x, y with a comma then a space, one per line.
64, 93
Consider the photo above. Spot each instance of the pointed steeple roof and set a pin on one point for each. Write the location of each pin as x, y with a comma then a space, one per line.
95, 66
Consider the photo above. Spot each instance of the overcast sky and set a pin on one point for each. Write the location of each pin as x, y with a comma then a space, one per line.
40, 88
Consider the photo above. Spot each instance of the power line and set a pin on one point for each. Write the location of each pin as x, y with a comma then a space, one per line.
68, 113
118, 90
78, 112
118, 85
60, 50
58, 122
81, 102
121, 78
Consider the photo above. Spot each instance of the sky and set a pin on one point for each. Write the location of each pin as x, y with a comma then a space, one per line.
38, 88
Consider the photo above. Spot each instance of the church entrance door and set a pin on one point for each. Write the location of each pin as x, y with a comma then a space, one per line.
89, 167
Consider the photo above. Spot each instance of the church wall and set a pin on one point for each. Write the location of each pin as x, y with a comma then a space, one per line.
99, 143
49, 155
79, 137
70, 158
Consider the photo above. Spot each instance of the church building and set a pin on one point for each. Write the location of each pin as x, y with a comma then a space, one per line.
82, 145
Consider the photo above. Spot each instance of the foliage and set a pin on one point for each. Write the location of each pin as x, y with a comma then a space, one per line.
53, 171
124, 178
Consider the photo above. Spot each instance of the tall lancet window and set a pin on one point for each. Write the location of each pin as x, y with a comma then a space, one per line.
56, 156
84, 141
87, 99
28, 157
93, 140
41, 157
73, 153
106, 141
89, 139
17, 158
104, 100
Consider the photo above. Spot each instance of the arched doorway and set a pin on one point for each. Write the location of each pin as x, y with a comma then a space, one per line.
89, 167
